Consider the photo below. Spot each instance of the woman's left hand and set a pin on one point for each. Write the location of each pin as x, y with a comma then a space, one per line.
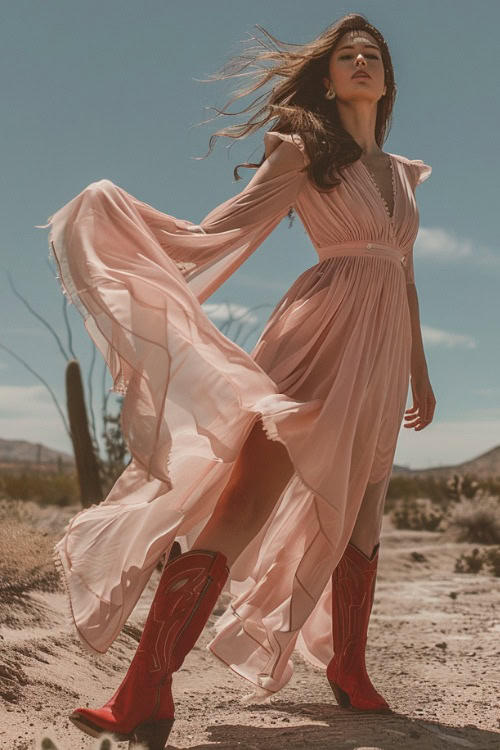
422, 412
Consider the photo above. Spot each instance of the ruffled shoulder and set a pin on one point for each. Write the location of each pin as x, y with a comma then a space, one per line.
419, 170
273, 138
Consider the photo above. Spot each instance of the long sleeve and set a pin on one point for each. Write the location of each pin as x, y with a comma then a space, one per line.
235, 229
138, 277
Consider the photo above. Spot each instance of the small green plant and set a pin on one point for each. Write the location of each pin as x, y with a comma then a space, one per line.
117, 453
475, 561
476, 520
469, 563
106, 742
419, 514
492, 560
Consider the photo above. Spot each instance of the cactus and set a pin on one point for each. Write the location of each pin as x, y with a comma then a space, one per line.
87, 466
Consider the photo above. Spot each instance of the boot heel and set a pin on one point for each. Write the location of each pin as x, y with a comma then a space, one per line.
341, 696
153, 734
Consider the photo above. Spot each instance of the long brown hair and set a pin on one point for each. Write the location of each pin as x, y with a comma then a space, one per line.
297, 101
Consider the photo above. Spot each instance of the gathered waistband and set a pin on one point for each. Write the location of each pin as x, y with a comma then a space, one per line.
360, 247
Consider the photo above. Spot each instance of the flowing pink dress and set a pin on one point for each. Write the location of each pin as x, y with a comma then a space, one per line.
328, 377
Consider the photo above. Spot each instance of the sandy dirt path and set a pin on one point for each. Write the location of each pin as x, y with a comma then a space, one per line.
433, 651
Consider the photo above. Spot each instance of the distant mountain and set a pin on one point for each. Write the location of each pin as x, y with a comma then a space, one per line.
484, 466
26, 452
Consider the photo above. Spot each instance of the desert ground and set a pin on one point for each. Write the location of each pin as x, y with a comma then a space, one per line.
433, 651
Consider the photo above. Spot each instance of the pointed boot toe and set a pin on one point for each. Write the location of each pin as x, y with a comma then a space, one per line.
142, 708
353, 587
96, 722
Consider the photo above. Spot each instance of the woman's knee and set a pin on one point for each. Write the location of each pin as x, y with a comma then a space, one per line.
260, 473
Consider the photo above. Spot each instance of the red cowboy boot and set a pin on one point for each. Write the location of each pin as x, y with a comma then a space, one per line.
353, 588
142, 708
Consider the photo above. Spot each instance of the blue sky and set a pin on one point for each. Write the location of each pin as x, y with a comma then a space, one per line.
98, 90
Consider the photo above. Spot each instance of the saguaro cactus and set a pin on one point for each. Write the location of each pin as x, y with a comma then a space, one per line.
86, 462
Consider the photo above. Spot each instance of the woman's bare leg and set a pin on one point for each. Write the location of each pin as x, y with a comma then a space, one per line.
366, 532
260, 474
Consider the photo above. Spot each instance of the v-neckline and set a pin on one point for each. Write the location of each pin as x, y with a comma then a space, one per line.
377, 189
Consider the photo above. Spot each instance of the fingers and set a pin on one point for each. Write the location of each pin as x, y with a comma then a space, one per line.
419, 415
419, 420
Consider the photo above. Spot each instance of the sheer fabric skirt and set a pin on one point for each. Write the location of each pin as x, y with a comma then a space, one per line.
342, 334
328, 378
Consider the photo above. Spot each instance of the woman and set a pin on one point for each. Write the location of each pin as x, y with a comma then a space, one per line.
271, 469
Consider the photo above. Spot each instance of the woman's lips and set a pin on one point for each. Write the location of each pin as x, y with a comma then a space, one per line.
361, 75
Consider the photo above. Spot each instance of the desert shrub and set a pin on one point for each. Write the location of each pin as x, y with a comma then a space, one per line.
462, 485
419, 514
106, 742
44, 518
469, 563
25, 559
477, 560
476, 520
410, 487
492, 560
47, 489
443, 491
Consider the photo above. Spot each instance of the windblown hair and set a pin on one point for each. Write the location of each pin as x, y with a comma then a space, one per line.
297, 101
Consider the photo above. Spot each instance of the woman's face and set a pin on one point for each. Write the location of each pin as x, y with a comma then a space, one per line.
356, 51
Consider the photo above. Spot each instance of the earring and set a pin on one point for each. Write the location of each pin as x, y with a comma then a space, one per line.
330, 94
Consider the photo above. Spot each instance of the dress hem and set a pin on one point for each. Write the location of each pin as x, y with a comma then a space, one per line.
256, 696
69, 617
